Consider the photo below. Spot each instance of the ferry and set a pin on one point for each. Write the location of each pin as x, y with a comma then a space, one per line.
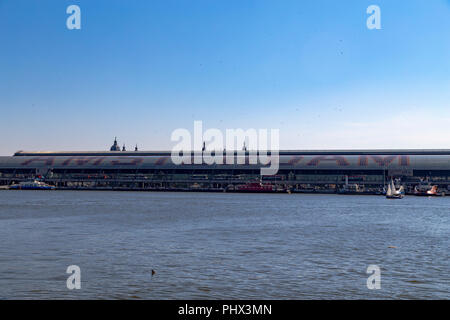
31, 185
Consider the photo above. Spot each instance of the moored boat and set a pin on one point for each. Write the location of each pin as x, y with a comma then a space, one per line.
255, 187
354, 189
427, 191
31, 185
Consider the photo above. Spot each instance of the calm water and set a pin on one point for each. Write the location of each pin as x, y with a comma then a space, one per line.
222, 246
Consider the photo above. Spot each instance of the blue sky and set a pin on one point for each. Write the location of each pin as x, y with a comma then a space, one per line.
141, 69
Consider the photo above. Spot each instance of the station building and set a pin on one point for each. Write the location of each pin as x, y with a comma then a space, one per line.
298, 169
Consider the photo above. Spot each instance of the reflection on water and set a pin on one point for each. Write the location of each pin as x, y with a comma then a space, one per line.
222, 246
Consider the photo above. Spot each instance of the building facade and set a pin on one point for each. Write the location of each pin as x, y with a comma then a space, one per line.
298, 170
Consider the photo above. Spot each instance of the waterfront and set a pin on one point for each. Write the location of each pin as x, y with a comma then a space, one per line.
222, 246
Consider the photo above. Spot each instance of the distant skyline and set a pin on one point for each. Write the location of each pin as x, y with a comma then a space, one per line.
140, 69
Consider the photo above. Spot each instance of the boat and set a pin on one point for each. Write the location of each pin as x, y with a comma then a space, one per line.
425, 190
31, 185
394, 193
354, 189
255, 187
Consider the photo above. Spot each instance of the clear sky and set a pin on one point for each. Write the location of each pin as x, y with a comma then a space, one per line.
140, 69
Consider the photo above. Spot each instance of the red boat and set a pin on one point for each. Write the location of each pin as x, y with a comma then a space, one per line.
422, 191
255, 187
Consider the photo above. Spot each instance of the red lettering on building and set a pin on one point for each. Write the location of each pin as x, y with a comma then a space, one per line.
295, 160
403, 161
340, 160
383, 161
161, 161
127, 162
363, 161
80, 161
48, 161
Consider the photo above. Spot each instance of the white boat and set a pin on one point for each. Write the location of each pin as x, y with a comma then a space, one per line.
394, 193
31, 185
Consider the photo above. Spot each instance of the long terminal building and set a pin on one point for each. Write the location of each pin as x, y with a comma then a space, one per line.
319, 170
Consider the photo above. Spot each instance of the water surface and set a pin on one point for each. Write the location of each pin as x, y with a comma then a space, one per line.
222, 246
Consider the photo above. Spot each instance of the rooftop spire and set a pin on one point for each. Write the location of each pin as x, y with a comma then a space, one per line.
115, 146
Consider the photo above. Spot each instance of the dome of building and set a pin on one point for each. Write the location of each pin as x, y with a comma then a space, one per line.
115, 146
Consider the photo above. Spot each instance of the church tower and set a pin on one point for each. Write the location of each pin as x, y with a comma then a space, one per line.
115, 146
